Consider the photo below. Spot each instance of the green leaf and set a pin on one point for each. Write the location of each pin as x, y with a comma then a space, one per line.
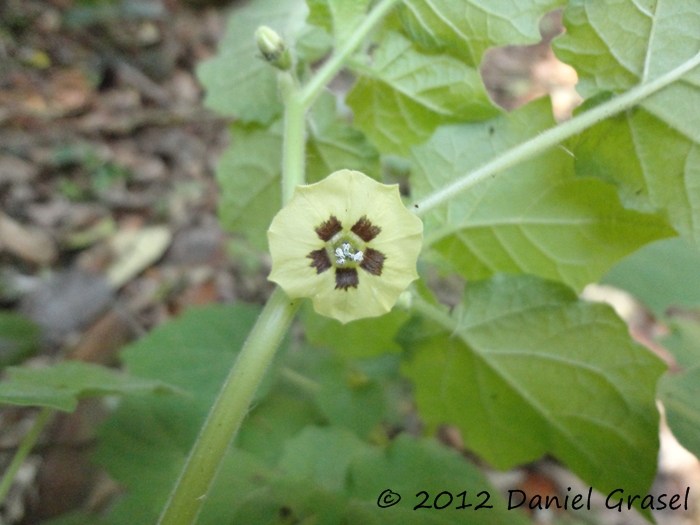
349, 394
238, 81
62, 385
249, 171
525, 369
684, 341
321, 455
653, 166
648, 276
468, 28
329, 477
408, 466
617, 45
362, 338
333, 144
249, 174
651, 151
338, 16
19, 336
407, 94
145, 442
680, 395
534, 218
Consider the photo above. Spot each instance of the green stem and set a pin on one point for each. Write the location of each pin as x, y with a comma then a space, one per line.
551, 137
294, 144
229, 410
337, 60
24, 450
435, 313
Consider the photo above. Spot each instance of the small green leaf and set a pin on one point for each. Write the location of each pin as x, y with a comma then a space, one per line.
19, 336
338, 16
534, 218
466, 29
407, 94
62, 385
525, 369
680, 395
249, 171
238, 81
648, 276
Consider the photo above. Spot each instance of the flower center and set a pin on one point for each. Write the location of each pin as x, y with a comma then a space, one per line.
346, 251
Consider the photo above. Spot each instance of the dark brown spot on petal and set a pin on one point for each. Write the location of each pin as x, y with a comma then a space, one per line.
319, 260
372, 261
346, 278
329, 228
365, 230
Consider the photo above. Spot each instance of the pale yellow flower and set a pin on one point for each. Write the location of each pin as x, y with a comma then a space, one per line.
348, 243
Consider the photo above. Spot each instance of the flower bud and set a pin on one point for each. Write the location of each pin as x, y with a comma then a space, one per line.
273, 48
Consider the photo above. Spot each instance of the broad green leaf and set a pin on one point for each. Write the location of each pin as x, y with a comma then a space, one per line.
62, 385
661, 274
249, 176
349, 395
408, 466
534, 218
617, 45
654, 166
330, 478
362, 338
650, 152
333, 144
276, 419
145, 442
238, 81
19, 336
468, 28
249, 171
680, 395
406, 94
524, 369
321, 455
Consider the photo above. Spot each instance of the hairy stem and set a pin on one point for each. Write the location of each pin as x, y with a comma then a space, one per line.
24, 450
294, 141
229, 410
551, 137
